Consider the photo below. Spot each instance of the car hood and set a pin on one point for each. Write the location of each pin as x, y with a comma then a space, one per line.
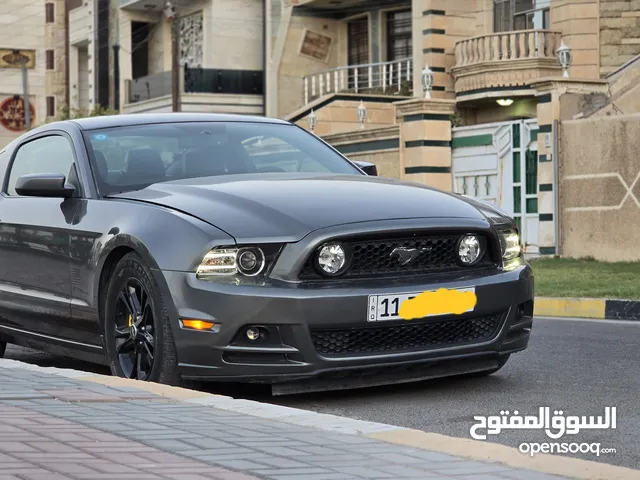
290, 206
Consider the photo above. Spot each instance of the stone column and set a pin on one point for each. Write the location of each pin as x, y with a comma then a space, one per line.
425, 141
558, 99
437, 26
74, 80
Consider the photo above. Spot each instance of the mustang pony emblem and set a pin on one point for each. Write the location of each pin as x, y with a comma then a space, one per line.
407, 255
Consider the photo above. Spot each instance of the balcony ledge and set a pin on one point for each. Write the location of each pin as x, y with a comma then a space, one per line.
492, 66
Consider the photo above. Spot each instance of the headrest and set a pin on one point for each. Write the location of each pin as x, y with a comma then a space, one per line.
101, 164
143, 165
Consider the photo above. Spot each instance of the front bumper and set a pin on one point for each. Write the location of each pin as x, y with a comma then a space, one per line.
295, 316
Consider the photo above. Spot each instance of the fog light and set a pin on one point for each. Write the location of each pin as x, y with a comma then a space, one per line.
332, 258
253, 333
469, 249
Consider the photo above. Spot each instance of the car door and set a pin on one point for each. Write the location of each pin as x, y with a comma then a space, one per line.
35, 287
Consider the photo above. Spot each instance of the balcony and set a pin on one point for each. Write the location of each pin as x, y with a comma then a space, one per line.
142, 5
503, 63
79, 25
387, 78
202, 90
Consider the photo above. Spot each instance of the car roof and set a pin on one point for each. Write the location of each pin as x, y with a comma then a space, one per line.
132, 119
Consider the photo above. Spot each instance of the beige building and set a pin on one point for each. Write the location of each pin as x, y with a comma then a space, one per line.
33, 32
497, 96
221, 45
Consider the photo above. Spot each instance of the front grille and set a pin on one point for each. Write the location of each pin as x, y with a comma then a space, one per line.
401, 338
372, 258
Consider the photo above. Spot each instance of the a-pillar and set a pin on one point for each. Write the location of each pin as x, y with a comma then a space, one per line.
558, 99
425, 141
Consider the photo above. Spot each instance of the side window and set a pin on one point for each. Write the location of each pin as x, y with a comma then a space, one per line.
51, 154
274, 154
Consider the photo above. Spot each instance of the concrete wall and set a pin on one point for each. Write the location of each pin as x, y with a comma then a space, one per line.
625, 90
205, 103
294, 65
599, 163
462, 19
80, 80
340, 116
619, 33
379, 146
578, 22
54, 39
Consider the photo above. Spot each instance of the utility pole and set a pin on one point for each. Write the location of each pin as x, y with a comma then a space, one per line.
175, 56
25, 88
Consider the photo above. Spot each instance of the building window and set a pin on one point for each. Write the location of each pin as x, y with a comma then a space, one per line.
51, 106
510, 15
50, 12
50, 60
399, 35
358, 51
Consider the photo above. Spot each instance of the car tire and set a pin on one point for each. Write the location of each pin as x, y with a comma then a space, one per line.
3, 348
485, 373
132, 351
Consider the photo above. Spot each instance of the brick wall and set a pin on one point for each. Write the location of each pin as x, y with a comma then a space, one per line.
619, 33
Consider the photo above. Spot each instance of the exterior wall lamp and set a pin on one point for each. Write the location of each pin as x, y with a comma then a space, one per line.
362, 113
312, 120
564, 57
427, 81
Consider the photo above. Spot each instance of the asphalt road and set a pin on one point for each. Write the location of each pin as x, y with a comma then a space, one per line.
579, 367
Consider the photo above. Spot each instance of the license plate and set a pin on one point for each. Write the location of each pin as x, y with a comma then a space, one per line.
387, 307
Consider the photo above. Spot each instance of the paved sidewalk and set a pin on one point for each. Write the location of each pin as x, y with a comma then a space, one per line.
57, 428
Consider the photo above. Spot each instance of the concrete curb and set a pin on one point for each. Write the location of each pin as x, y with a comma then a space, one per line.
595, 308
460, 447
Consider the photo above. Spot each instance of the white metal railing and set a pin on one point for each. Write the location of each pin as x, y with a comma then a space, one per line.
384, 76
518, 45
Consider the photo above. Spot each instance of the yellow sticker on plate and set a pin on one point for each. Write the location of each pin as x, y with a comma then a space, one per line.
438, 302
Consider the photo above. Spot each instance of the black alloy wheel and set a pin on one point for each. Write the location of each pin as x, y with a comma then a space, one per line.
134, 330
137, 329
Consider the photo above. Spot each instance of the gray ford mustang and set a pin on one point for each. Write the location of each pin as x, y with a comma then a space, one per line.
231, 248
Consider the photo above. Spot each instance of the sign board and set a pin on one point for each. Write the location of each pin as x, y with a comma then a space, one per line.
316, 46
12, 113
12, 58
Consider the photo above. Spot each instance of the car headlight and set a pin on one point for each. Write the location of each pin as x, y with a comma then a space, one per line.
469, 249
331, 259
249, 261
509, 244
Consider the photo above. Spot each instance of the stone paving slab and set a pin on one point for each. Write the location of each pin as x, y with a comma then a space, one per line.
74, 430
52, 423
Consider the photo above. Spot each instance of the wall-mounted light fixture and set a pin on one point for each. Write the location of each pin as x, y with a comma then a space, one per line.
312, 120
564, 57
362, 113
505, 102
427, 81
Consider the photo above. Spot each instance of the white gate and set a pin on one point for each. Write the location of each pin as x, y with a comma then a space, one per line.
498, 163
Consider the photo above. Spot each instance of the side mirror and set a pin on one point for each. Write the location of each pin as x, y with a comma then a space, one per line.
44, 185
367, 167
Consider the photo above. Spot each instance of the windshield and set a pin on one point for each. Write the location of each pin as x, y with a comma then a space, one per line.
133, 157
